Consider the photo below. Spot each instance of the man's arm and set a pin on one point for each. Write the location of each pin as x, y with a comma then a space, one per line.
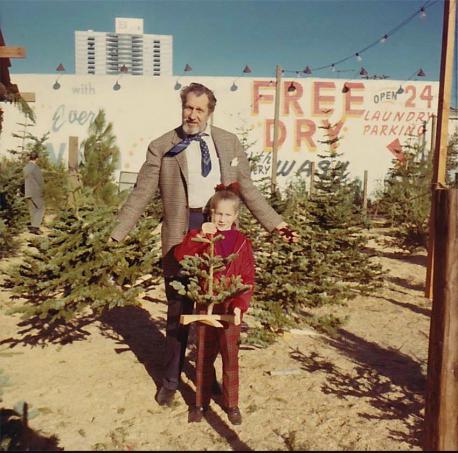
256, 202
145, 187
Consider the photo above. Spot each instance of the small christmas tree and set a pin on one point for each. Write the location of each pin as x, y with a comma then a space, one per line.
205, 286
329, 265
75, 269
405, 200
13, 209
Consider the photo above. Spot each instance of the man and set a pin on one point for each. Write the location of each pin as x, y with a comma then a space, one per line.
187, 163
33, 189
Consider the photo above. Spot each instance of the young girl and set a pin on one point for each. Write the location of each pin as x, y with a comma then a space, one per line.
211, 340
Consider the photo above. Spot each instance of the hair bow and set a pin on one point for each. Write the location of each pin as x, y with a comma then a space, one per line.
232, 187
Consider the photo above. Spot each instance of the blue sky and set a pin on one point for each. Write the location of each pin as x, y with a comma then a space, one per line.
220, 37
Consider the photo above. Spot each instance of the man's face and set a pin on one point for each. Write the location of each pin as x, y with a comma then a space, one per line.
195, 113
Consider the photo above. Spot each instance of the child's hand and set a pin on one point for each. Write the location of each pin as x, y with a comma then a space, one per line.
237, 313
209, 228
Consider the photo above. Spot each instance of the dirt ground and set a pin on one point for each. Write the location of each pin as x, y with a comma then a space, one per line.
360, 390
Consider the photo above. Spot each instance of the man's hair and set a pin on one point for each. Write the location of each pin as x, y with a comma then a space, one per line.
225, 195
33, 155
198, 89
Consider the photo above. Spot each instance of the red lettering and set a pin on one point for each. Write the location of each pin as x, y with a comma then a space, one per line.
318, 108
399, 116
304, 131
332, 132
258, 97
292, 98
269, 134
350, 99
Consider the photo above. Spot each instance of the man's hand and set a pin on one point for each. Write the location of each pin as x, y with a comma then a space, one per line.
287, 234
237, 316
209, 228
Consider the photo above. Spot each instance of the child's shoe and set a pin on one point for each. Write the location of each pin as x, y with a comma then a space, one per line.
234, 415
196, 414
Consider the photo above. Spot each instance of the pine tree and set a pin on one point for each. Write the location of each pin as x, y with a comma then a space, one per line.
101, 158
205, 286
329, 265
452, 160
74, 269
13, 209
405, 200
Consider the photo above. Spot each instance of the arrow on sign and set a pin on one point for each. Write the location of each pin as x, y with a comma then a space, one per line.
395, 148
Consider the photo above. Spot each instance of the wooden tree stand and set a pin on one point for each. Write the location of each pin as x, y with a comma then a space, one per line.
211, 320
207, 318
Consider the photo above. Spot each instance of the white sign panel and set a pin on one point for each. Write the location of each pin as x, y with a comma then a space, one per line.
374, 119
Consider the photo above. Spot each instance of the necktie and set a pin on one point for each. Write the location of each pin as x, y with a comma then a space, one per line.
206, 163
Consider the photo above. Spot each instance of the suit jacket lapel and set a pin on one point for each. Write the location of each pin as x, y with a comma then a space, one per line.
181, 158
221, 145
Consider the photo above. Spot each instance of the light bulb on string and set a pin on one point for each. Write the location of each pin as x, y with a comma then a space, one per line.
384, 38
178, 85
291, 87
307, 70
345, 88
363, 72
422, 12
333, 67
421, 73
400, 90
60, 69
116, 86
358, 56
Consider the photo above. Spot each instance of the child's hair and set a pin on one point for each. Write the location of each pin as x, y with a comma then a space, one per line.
225, 195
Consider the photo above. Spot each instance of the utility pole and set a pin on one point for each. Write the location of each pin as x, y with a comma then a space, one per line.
441, 141
273, 185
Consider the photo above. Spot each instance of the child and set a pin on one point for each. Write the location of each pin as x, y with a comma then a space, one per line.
211, 340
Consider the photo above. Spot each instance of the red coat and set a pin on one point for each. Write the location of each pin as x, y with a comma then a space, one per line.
242, 265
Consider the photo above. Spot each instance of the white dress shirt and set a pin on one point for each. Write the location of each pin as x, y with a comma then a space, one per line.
202, 188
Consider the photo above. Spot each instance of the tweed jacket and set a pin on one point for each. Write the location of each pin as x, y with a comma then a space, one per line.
170, 174
33, 184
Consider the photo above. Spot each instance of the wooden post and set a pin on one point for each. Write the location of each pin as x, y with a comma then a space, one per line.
273, 186
312, 178
441, 402
440, 152
365, 191
73, 153
433, 133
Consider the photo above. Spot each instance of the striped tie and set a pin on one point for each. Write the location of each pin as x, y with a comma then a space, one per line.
206, 163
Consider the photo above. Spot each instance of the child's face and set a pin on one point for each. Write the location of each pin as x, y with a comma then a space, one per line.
225, 215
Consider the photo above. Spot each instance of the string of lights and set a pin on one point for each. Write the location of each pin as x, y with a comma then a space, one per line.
308, 70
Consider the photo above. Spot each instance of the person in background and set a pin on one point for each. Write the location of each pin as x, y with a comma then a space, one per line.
33, 192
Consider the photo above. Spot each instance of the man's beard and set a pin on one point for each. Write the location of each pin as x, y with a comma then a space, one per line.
191, 129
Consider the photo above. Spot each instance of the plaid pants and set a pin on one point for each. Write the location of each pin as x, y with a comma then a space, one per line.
210, 341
